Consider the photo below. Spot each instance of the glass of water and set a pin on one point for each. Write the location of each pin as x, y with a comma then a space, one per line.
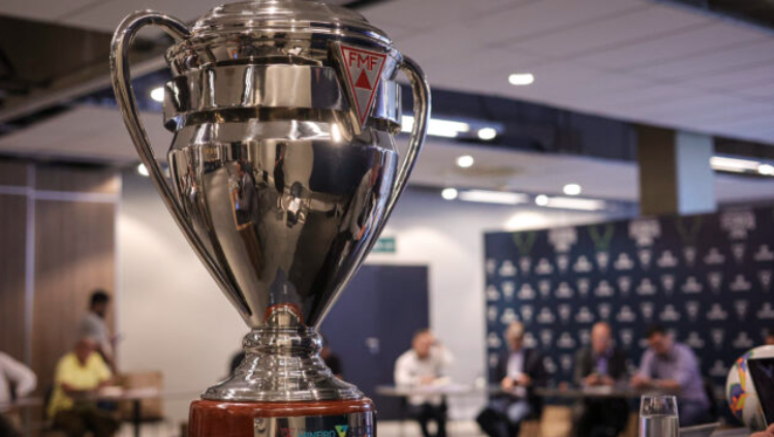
658, 416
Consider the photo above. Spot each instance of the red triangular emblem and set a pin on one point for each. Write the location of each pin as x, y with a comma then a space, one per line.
362, 81
363, 70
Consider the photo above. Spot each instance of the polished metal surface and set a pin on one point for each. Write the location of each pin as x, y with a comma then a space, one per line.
349, 425
279, 184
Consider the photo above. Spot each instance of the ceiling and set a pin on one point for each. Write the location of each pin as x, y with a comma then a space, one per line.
95, 133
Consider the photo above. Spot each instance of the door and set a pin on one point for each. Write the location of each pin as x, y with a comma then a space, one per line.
373, 322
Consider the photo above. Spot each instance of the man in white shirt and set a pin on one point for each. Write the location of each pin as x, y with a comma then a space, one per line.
16, 374
424, 365
93, 326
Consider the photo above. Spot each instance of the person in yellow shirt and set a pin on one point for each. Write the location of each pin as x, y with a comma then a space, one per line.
80, 374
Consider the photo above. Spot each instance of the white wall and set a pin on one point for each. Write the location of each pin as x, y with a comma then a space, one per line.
174, 318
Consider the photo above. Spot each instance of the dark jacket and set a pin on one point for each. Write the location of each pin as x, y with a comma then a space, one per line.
533, 367
585, 364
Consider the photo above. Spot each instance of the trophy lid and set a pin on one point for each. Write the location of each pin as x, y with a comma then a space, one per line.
247, 30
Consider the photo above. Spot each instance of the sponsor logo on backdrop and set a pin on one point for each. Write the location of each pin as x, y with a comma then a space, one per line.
584, 315
603, 289
565, 341
507, 269
492, 293
546, 317
546, 338
667, 260
626, 315
491, 313
562, 239
690, 255
715, 280
718, 335
544, 287
525, 263
564, 291
668, 283
526, 292
493, 360
583, 287
527, 313
627, 337
694, 340
604, 310
742, 341
491, 266
565, 312
563, 262
669, 314
740, 306
509, 316
544, 267
737, 223
582, 265
714, 257
625, 285
509, 287
719, 369
566, 362
764, 276
644, 231
738, 251
646, 288
603, 259
766, 312
717, 313
691, 286
585, 336
530, 341
764, 253
550, 365
692, 308
740, 284
493, 341
647, 309
623, 262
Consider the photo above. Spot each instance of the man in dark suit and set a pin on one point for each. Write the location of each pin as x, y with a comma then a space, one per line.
600, 365
519, 372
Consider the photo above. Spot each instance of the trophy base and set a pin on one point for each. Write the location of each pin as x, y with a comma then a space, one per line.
344, 418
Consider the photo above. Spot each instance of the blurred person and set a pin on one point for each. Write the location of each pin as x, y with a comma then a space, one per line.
80, 374
769, 432
602, 364
672, 367
23, 380
93, 325
519, 371
424, 364
331, 359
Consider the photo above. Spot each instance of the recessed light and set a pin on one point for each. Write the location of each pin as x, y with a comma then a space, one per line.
142, 170
541, 200
766, 169
157, 94
487, 133
572, 189
521, 79
449, 193
437, 127
500, 197
465, 161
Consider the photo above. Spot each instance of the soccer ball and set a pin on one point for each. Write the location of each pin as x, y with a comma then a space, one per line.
740, 390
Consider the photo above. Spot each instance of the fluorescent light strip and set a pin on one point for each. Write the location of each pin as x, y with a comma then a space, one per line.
734, 164
500, 197
437, 127
574, 203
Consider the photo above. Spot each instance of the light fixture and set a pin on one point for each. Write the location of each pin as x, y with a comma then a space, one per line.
157, 94
521, 79
500, 197
437, 127
735, 165
766, 169
465, 161
449, 193
541, 200
572, 189
487, 133
142, 170
570, 203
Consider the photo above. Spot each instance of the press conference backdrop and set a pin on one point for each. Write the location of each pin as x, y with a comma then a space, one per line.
707, 278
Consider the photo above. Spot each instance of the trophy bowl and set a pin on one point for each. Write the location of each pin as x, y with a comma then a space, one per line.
282, 173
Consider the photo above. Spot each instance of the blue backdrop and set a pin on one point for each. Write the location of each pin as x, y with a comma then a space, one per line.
708, 278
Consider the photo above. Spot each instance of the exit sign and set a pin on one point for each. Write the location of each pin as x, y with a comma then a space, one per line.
385, 245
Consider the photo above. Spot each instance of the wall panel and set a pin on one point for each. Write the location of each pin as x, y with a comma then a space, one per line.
13, 224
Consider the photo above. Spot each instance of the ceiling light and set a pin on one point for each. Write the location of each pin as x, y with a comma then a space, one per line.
157, 94
487, 133
465, 161
142, 170
521, 79
449, 193
572, 189
570, 203
501, 197
766, 169
541, 200
733, 164
437, 127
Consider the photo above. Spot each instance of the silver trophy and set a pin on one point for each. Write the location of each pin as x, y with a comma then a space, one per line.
283, 169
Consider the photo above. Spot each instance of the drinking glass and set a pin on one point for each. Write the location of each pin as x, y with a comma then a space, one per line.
658, 416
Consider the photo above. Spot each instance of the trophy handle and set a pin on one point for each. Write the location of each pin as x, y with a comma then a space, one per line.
422, 108
122, 86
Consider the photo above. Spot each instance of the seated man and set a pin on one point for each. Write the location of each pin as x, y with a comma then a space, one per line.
16, 374
519, 371
601, 365
425, 363
79, 374
673, 367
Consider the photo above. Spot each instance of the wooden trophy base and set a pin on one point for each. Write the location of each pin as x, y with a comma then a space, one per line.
353, 418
